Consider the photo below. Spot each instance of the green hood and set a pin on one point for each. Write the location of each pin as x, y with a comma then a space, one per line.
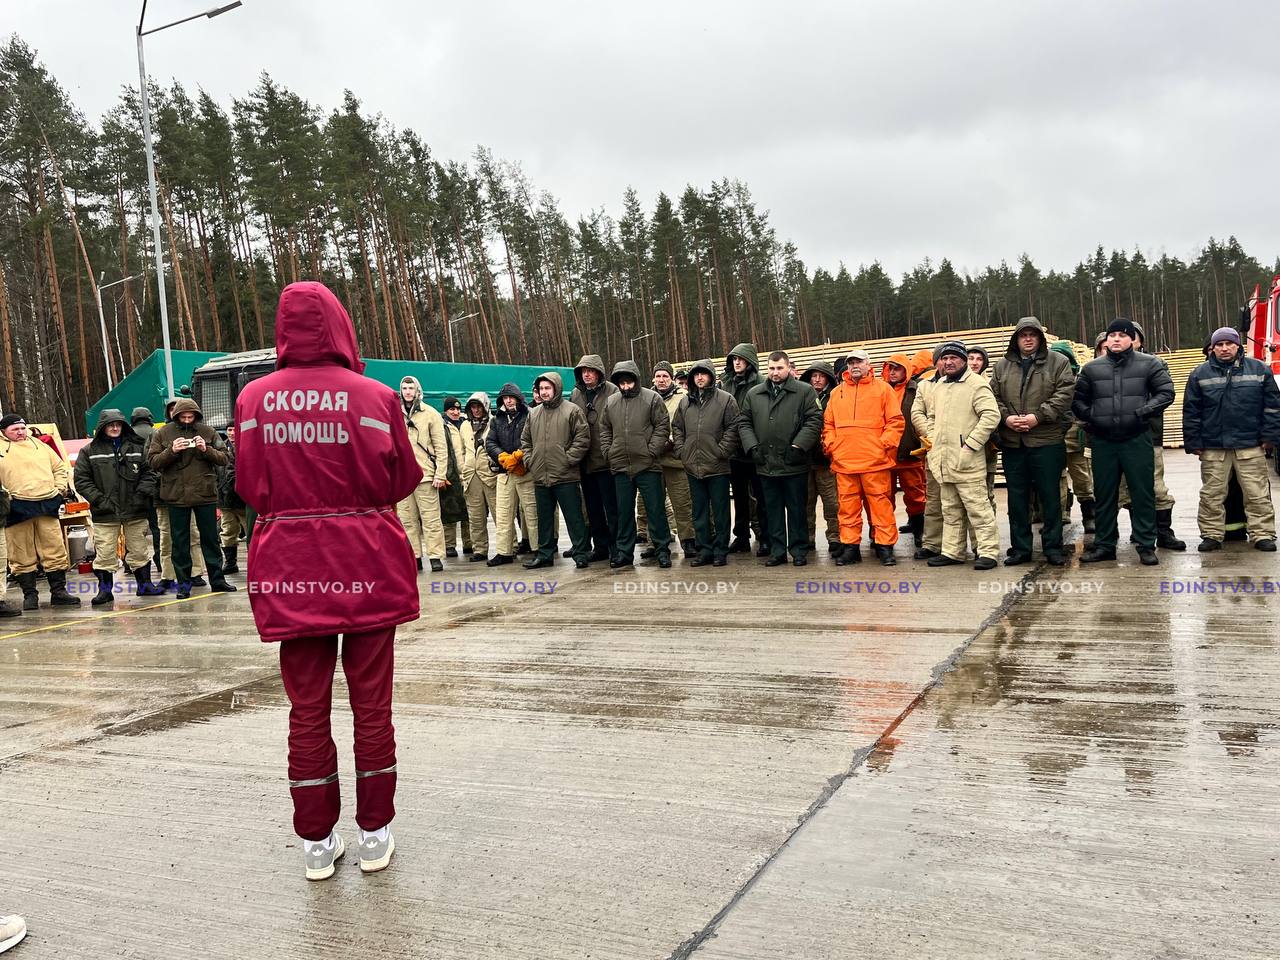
112, 415
1026, 323
747, 351
1068, 350
557, 385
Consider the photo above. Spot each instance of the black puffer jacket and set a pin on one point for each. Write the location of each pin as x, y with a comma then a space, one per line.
1118, 394
505, 428
1230, 406
117, 481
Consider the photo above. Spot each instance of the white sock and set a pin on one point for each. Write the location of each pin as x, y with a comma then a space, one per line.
328, 842
380, 833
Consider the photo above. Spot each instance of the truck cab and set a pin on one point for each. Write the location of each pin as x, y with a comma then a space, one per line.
217, 384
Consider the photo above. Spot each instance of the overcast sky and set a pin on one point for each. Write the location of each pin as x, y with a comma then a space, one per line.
889, 130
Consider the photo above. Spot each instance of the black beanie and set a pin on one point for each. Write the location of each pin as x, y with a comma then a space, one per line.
9, 419
451, 402
954, 347
1121, 325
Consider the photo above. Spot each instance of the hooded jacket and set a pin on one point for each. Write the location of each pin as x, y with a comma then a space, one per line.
738, 384
1043, 386
555, 437
959, 415
323, 457
819, 456
115, 478
906, 393
634, 428
426, 432
143, 424
228, 499
785, 423
506, 428
591, 402
862, 425
1230, 406
704, 430
188, 478
1117, 395
475, 459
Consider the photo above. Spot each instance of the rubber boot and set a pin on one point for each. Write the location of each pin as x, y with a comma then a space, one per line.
915, 524
1086, 515
30, 599
230, 559
142, 576
58, 596
106, 581
8, 611
1166, 539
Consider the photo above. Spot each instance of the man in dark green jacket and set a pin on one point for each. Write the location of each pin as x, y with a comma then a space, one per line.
590, 392
113, 475
705, 434
634, 430
1033, 387
741, 374
781, 424
555, 440
822, 482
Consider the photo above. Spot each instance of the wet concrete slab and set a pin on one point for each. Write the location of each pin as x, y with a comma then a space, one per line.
753, 768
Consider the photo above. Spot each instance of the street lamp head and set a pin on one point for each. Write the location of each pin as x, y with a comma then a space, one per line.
216, 11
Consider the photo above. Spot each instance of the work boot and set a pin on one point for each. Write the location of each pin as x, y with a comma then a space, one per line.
648, 553
567, 553
1208, 545
166, 586
985, 563
58, 596
498, 559
1097, 554
1166, 539
143, 578
942, 560
599, 553
436, 566
184, 590
106, 581
1086, 515
523, 548
477, 557
221, 586
198, 581
537, 563
419, 561
915, 526
8, 611
30, 599
906, 527
924, 553
850, 554
1148, 556
763, 549
451, 552
230, 559
688, 547
740, 545
886, 556
834, 547
1266, 546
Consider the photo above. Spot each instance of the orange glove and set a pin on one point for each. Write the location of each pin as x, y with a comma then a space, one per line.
925, 446
517, 464
504, 461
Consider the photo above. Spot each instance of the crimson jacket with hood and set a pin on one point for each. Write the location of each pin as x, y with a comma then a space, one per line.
323, 456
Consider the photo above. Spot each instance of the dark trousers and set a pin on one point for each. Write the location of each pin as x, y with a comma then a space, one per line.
569, 498
210, 541
601, 495
785, 514
1135, 460
307, 665
710, 497
649, 485
1039, 469
745, 482
154, 524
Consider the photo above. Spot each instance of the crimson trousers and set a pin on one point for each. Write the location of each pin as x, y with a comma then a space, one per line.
307, 666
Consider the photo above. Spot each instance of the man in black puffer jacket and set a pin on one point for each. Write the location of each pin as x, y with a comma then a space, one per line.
506, 459
1116, 396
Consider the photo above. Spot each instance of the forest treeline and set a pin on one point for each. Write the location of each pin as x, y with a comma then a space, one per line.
274, 189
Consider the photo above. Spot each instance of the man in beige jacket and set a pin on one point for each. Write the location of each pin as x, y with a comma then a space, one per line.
420, 511
959, 414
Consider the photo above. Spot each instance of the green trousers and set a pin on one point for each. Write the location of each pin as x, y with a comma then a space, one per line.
1135, 461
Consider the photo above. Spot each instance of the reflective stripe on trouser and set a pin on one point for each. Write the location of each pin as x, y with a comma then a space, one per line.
482, 500
1250, 468
419, 514
37, 540
874, 491
166, 546
968, 501
1164, 499
230, 525
910, 479
106, 544
822, 484
513, 490
1079, 474
307, 667
932, 539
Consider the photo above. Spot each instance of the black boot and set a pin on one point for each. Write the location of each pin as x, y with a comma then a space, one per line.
142, 576
230, 559
688, 547
106, 580
30, 599
1166, 539
58, 596
915, 524
1086, 515
8, 611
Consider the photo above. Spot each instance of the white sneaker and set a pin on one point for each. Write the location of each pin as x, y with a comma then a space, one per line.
321, 856
12, 930
376, 853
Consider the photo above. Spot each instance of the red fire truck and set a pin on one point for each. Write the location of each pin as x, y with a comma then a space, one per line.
1262, 323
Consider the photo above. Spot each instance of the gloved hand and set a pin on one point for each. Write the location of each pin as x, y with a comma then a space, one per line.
794, 456
517, 464
925, 446
504, 461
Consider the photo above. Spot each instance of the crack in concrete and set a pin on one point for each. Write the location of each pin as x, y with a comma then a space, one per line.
690, 946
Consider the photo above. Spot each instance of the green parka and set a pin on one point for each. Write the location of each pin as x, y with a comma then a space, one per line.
591, 402
555, 437
188, 478
785, 423
738, 384
634, 427
116, 479
705, 427
1043, 386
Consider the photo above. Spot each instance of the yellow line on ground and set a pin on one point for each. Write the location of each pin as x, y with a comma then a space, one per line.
103, 616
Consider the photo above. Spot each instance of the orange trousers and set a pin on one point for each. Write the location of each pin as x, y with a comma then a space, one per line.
875, 491
909, 478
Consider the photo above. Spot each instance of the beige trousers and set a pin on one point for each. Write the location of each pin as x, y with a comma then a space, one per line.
1251, 472
968, 502
420, 516
514, 493
482, 502
137, 544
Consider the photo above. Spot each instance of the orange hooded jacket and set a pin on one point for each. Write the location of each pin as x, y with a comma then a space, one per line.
862, 425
